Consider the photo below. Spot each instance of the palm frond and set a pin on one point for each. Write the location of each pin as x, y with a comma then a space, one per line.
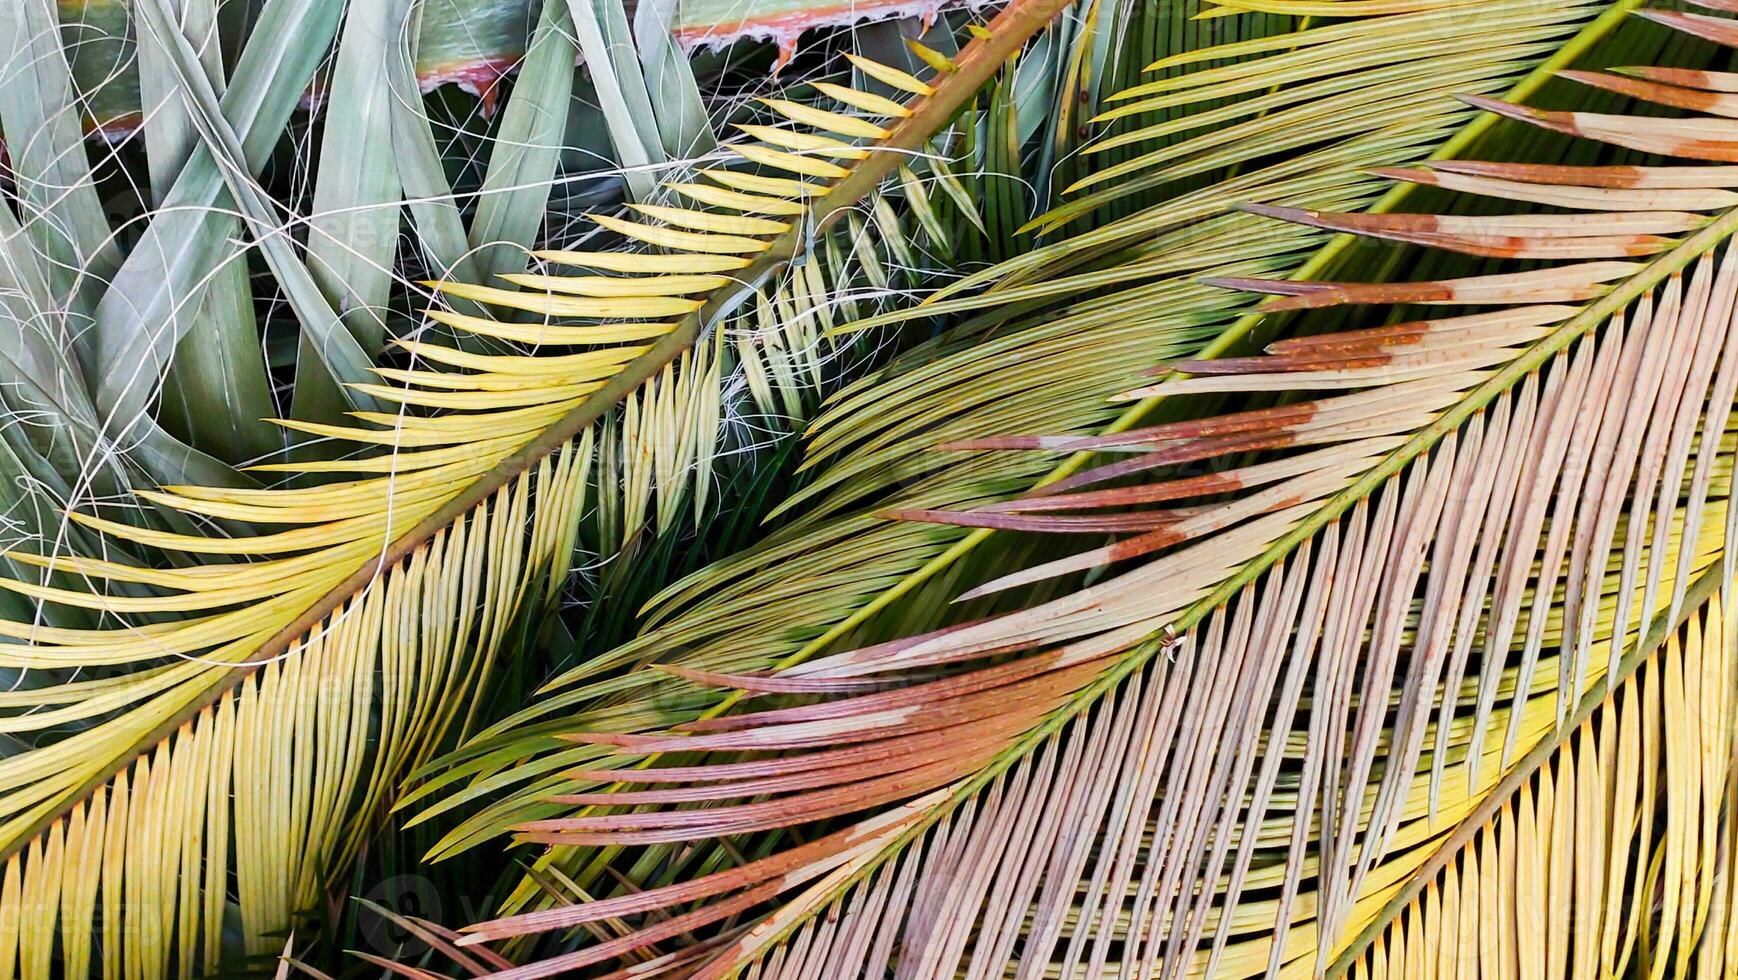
811, 585
1578, 831
245, 707
1435, 508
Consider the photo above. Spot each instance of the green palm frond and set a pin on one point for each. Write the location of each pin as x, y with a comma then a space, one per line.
1369, 540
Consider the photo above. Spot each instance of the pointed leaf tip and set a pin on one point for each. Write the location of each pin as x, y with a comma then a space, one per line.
1511, 111
1410, 175
1281, 212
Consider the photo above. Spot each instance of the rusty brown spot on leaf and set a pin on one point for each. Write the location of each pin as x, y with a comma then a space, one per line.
1655, 92
1194, 486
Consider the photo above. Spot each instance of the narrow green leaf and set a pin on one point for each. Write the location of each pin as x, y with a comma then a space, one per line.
440, 229
216, 394
148, 307
353, 230
527, 147
57, 434
39, 115
604, 39
337, 350
36, 342
167, 127
683, 126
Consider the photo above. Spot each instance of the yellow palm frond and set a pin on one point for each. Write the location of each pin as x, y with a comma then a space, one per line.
1612, 856
246, 712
